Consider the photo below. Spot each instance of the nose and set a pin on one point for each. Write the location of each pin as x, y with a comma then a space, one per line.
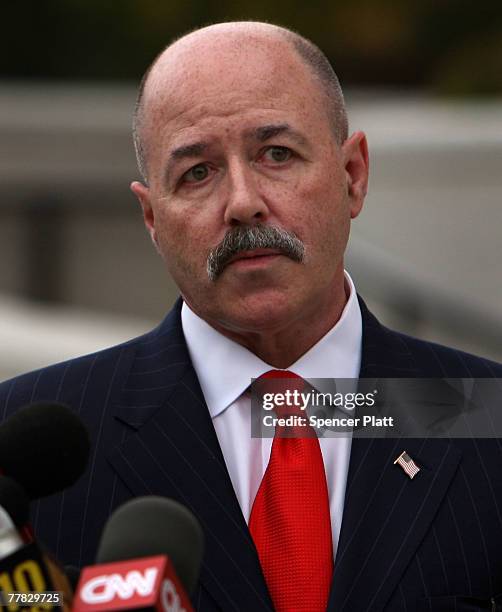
245, 203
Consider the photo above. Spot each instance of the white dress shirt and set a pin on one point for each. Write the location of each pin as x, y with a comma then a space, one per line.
225, 369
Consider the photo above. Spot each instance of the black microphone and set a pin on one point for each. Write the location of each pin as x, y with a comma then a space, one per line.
149, 559
44, 447
14, 511
14, 501
29, 578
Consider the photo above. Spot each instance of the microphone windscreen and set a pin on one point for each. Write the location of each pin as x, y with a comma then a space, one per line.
44, 447
14, 501
149, 526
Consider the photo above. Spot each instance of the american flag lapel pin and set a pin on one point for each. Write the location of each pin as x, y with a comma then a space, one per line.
408, 465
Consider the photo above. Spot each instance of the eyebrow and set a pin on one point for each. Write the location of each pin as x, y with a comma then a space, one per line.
194, 149
266, 132
189, 150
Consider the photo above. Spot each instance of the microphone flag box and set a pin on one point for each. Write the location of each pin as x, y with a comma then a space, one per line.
149, 583
26, 582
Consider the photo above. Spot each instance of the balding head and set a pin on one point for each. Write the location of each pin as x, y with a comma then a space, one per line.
241, 38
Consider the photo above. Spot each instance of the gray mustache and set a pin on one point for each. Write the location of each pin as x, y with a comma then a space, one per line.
249, 238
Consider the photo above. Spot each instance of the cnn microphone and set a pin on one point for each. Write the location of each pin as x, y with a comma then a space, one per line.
44, 447
149, 559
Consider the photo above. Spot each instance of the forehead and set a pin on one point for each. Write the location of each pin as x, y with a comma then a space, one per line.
225, 78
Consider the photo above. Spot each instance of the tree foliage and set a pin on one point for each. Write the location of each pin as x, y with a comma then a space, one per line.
450, 46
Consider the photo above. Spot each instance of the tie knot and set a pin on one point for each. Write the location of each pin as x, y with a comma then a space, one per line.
279, 374
280, 381
289, 378
283, 389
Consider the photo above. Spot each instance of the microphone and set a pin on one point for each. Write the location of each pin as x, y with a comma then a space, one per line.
29, 577
14, 511
27, 574
149, 559
44, 447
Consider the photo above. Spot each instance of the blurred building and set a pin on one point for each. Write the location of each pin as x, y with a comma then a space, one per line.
78, 272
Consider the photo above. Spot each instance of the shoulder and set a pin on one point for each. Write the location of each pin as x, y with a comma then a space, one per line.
67, 379
98, 375
436, 359
391, 353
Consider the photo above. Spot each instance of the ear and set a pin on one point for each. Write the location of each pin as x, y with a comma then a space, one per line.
142, 192
356, 163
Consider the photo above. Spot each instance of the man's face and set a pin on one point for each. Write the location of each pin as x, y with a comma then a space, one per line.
237, 136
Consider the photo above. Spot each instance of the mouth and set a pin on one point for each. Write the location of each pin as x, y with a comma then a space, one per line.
254, 257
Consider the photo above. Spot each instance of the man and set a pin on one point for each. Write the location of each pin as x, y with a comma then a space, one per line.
250, 184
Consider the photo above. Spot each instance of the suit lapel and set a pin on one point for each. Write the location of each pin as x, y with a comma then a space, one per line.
172, 450
386, 515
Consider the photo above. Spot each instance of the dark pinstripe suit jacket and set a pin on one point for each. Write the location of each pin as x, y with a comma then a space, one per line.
434, 543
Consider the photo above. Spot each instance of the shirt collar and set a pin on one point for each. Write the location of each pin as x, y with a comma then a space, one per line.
225, 368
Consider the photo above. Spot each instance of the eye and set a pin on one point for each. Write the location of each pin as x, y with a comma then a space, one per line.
278, 154
196, 174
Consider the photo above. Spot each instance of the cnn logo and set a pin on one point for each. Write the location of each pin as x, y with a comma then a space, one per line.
141, 585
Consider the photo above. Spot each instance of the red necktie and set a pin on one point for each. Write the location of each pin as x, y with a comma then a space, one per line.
290, 521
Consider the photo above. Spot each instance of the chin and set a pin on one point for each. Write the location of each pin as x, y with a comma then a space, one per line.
255, 315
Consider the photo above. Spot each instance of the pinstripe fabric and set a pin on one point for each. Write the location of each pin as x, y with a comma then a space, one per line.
433, 543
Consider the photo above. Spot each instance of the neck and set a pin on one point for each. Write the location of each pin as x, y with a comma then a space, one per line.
283, 345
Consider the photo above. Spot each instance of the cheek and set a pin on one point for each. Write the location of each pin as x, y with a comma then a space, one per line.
182, 243
323, 211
